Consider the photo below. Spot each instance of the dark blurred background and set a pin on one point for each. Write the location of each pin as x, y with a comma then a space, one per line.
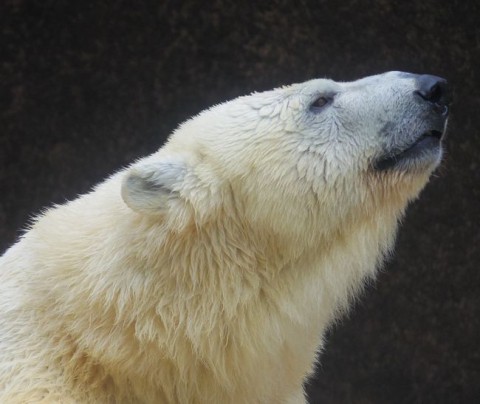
88, 86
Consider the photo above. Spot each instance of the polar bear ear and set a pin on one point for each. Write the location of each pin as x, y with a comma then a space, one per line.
149, 186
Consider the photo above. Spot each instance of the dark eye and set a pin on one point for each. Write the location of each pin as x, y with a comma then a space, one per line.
320, 102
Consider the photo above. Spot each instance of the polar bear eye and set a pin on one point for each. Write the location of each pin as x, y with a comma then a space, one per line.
320, 102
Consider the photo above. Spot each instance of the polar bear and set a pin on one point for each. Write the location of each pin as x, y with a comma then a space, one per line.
209, 271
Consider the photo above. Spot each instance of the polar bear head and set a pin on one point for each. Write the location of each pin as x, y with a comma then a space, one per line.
299, 159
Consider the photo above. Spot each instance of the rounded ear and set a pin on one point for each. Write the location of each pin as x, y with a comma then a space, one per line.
150, 185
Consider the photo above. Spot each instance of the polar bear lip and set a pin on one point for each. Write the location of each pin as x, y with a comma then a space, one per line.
427, 145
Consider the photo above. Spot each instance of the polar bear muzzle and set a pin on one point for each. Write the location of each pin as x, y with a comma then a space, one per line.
433, 101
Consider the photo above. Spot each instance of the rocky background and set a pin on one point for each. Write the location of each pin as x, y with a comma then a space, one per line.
88, 86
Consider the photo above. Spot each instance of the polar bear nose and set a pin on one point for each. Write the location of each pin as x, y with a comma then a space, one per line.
434, 90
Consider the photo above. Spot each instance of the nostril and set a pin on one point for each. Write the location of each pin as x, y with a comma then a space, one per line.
433, 95
433, 89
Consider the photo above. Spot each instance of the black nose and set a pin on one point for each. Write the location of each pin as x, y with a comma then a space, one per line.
434, 90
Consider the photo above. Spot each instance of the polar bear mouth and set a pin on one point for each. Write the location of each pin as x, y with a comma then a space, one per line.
427, 145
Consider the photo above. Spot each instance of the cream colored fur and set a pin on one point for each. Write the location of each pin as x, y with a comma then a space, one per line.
209, 271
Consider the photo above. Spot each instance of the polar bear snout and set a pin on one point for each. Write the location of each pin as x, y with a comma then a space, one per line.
415, 140
434, 97
435, 91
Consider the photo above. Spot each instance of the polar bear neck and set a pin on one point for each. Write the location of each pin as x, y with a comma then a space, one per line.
133, 284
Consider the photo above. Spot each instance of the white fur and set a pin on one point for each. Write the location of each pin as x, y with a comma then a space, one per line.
209, 271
